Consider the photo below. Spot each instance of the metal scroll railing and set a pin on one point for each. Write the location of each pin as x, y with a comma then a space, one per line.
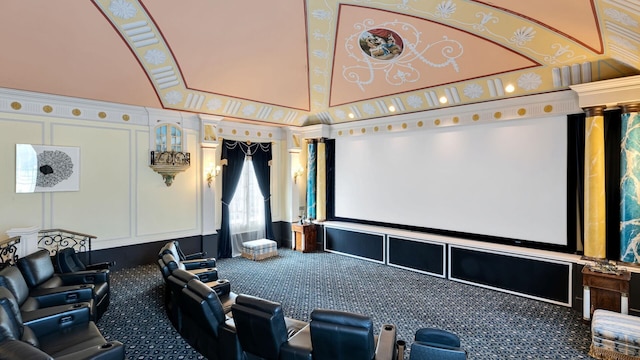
9, 251
55, 239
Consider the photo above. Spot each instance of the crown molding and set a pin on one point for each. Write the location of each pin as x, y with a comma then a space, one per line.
609, 93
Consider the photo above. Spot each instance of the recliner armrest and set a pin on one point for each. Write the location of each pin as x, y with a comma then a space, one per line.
61, 295
107, 351
222, 287
199, 263
386, 346
100, 266
298, 347
85, 277
197, 255
56, 318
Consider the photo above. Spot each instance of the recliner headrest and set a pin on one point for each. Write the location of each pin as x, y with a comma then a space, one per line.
170, 261
182, 276
253, 315
10, 319
342, 318
12, 279
339, 335
437, 337
209, 303
67, 261
36, 267
263, 305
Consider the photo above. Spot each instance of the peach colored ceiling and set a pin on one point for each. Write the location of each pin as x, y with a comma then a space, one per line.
292, 62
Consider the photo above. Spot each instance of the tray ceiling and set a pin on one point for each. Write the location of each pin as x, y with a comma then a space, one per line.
291, 62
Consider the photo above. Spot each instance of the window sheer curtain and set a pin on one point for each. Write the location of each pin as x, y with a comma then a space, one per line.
233, 155
246, 211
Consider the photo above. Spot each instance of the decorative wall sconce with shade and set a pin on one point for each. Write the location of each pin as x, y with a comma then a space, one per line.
299, 171
212, 172
169, 164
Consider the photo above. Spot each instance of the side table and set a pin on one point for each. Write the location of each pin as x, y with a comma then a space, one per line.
608, 291
303, 237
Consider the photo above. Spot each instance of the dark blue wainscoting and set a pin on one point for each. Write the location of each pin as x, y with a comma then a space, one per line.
542, 279
366, 245
414, 254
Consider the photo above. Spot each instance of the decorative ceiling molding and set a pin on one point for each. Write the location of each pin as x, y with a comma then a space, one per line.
533, 106
609, 93
137, 28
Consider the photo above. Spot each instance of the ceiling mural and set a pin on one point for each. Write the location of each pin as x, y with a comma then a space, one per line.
292, 62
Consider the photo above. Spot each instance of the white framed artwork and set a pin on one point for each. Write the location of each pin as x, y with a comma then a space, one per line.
43, 168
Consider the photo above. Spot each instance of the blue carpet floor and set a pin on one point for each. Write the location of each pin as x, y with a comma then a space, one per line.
491, 324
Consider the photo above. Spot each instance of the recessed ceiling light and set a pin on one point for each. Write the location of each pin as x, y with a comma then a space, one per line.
443, 99
392, 108
509, 88
351, 116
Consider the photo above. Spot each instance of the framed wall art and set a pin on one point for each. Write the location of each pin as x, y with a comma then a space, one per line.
42, 168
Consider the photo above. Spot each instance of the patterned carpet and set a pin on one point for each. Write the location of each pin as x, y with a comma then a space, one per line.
491, 325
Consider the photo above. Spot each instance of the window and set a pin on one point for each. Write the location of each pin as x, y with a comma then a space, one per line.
168, 138
246, 211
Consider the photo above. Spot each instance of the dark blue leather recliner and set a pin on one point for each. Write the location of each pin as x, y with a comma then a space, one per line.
66, 335
436, 344
39, 274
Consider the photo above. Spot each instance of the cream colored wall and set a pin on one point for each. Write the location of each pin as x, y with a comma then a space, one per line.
121, 200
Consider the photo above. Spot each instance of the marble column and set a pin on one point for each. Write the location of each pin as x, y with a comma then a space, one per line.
321, 183
630, 184
311, 180
594, 185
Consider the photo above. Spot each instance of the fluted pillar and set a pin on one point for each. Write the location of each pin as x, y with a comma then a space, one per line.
630, 184
321, 183
311, 179
594, 185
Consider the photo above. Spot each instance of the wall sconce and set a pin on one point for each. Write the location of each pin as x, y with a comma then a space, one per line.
298, 172
212, 173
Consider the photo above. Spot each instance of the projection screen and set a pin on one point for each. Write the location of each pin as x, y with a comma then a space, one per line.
505, 179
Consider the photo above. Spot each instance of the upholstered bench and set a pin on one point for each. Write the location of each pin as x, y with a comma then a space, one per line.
614, 335
259, 249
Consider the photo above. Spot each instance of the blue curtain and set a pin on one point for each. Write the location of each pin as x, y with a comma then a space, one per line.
234, 156
234, 153
261, 159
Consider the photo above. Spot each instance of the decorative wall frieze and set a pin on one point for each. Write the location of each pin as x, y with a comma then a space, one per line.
532, 106
242, 131
32, 103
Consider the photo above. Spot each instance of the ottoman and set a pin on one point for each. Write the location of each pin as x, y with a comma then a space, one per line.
259, 249
614, 335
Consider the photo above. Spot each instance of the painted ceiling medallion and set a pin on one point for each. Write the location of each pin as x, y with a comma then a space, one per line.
381, 44
385, 53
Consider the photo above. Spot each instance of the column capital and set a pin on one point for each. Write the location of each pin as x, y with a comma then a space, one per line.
630, 107
594, 110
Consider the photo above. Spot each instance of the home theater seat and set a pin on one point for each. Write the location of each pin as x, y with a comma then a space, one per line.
340, 335
39, 274
69, 335
263, 330
206, 325
36, 304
